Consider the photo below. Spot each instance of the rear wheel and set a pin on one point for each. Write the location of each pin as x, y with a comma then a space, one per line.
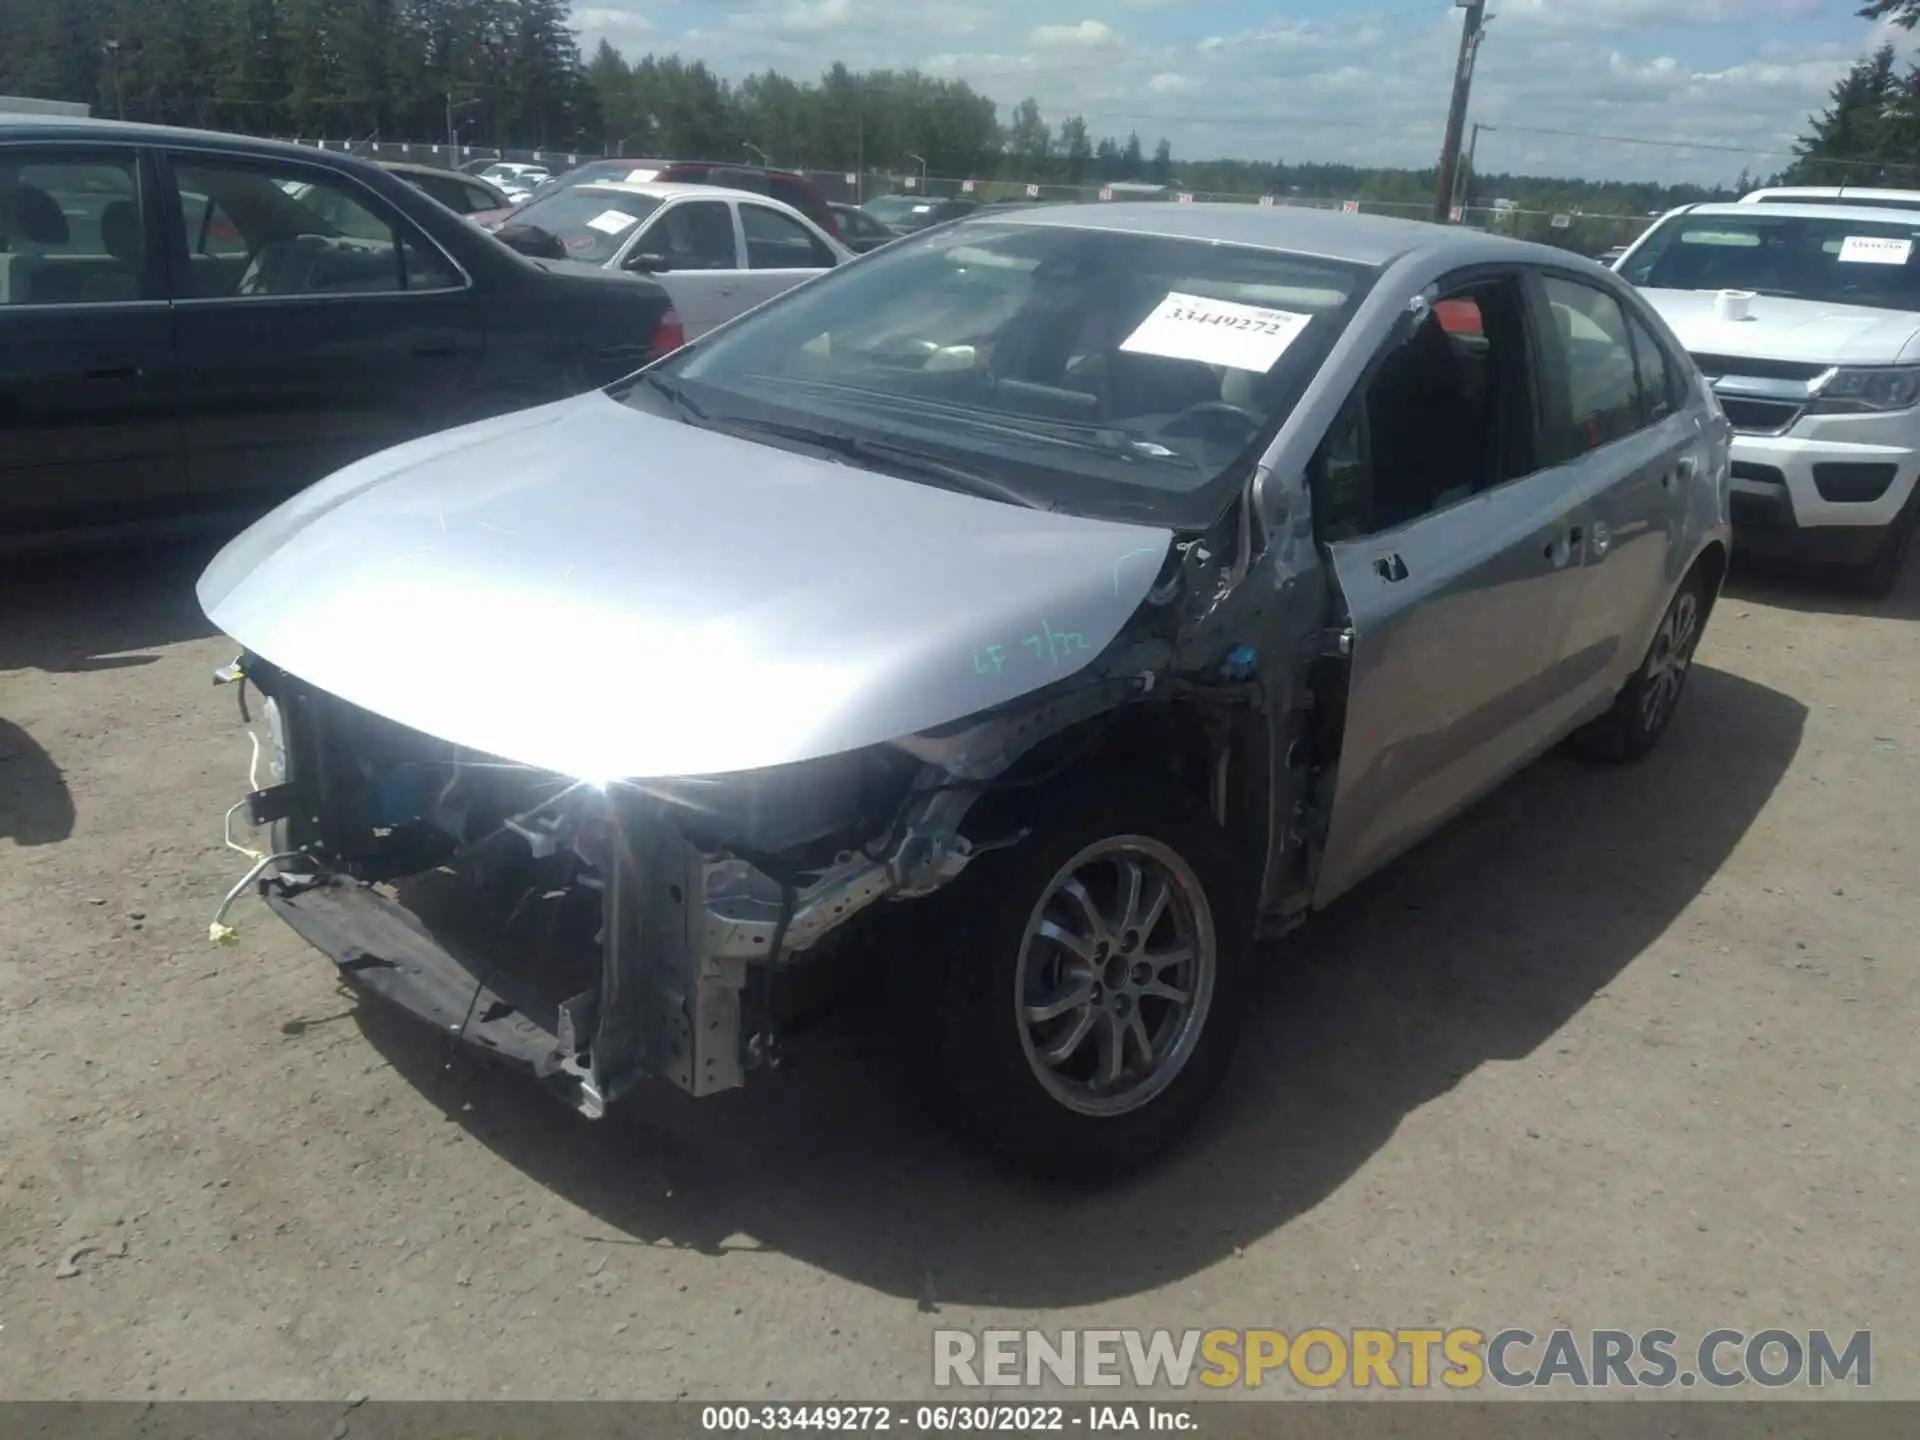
1646, 704
1098, 980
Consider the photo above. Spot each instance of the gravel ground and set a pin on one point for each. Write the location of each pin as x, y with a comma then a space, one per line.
1621, 1048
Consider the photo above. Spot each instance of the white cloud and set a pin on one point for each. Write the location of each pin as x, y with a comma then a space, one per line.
1640, 15
1366, 86
1087, 35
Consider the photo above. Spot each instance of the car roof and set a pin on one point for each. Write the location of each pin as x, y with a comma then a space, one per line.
17, 127
1753, 197
671, 189
1374, 240
1807, 210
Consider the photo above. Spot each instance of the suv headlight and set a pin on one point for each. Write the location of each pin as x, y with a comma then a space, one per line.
1870, 388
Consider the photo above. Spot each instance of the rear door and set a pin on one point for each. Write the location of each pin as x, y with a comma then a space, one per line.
781, 250
315, 325
1454, 553
700, 244
1616, 430
88, 385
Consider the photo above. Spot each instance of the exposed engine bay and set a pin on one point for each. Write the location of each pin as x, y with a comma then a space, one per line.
597, 934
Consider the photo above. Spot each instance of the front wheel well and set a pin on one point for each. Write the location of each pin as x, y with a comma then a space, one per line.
1173, 747
1711, 564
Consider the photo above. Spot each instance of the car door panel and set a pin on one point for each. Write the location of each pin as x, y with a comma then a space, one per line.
281, 388
700, 241
1457, 622
780, 253
1622, 452
89, 434
1458, 585
1629, 487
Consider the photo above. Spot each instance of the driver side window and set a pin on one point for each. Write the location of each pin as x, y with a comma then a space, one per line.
1445, 415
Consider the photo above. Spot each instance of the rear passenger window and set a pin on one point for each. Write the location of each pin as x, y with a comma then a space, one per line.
1602, 400
779, 242
1657, 392
71, 231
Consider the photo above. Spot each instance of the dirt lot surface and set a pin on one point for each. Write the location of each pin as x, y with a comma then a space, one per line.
1622, 1048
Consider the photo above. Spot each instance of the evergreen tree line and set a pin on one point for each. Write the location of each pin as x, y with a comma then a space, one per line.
1869, 134
509, 73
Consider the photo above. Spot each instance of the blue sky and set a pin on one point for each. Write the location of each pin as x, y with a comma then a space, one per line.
1316, 80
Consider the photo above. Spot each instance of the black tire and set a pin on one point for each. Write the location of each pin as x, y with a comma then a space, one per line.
1640, 714
1878, 577
973, 1051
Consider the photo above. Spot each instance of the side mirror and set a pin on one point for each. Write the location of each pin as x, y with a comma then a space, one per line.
650, 263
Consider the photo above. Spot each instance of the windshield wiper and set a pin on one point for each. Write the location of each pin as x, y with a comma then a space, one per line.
1103, 439
672, 393
894, 459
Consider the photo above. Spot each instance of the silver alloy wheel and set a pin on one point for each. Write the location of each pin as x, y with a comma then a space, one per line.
1667, 665
1115, 975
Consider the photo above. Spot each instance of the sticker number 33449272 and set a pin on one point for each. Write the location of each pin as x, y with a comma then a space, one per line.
1216, 332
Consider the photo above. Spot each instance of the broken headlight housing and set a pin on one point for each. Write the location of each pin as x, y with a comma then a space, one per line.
1870, 389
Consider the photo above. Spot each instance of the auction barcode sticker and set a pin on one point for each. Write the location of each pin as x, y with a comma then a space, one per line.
1875, 250
613, 222
1216, 332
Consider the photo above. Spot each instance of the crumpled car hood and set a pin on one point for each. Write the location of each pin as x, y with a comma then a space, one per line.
592, 590
1782, 329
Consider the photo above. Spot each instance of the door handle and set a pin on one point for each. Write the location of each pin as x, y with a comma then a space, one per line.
114, 372
1390, 568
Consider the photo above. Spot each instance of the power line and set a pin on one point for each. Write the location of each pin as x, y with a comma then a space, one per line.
1703, 145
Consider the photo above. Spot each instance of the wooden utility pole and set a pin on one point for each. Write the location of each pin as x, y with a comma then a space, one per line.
1470, 34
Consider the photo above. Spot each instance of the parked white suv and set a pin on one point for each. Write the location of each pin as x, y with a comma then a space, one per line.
1807, 320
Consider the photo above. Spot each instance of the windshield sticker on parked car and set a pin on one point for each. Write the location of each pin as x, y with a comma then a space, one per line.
1875, 250
613, 222
1216, 332
641, 177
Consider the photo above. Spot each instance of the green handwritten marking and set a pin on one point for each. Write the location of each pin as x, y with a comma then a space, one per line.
996, 661
1145, 550
1049, 645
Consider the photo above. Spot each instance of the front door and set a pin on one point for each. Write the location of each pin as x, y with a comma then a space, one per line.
1457, 560
781, 252
701, 249
315, 326
88, 387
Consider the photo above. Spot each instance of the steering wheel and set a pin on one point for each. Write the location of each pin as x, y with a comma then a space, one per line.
1210, 413
274, 251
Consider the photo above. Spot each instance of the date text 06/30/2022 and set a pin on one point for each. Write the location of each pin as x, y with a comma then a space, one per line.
948, 1419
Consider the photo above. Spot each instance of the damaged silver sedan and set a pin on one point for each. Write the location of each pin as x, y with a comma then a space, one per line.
1050, 606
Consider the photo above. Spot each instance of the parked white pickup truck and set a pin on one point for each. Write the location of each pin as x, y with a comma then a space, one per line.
1807, 320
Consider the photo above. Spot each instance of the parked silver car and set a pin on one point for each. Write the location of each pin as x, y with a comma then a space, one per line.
1049, 605
717, 252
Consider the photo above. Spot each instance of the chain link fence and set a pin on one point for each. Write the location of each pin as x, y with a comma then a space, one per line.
1569, 230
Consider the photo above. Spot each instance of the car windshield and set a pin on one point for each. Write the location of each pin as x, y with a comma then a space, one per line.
1123, 375
591, 224
1833, 259
899, 209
